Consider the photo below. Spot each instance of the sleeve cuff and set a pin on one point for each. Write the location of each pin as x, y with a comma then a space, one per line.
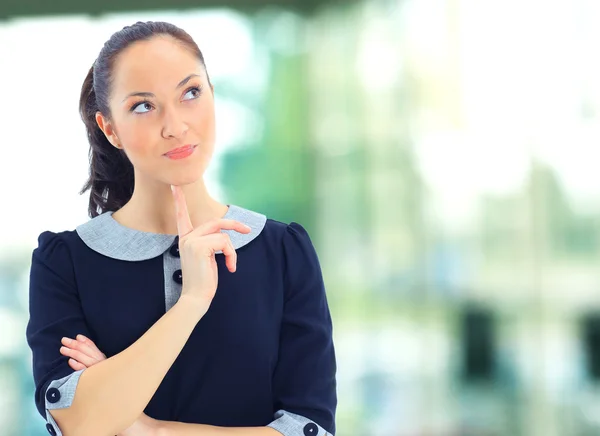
59, 395
52, 426
290, 424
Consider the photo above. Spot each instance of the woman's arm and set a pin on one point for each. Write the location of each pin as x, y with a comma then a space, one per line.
121, 387
84, 354
169, 428
304, 380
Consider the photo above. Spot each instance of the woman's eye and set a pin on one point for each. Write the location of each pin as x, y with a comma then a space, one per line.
145, 105
195, 92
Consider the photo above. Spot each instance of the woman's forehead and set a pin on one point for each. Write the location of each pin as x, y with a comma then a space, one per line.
156, 61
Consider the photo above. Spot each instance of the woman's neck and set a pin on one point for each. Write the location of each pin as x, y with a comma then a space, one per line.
151, 207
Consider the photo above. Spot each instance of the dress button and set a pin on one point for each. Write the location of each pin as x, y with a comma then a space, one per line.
178, 277
175, 248
51, 429
311, 429
53, 395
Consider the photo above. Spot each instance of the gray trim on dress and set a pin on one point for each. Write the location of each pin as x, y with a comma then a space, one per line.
107, 236
66, 387
172, 288
50, 420
290, 424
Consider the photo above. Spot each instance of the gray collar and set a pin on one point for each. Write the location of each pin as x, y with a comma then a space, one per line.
106, 236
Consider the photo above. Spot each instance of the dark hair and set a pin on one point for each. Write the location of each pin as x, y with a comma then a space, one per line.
111, 179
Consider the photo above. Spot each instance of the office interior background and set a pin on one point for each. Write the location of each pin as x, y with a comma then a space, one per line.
442, 154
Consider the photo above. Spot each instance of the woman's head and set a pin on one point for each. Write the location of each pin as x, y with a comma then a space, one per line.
147, 93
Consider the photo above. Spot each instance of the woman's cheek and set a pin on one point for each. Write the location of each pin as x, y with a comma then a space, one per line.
138, 155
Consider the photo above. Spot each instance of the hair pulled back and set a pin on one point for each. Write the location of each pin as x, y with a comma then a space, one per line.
111, 176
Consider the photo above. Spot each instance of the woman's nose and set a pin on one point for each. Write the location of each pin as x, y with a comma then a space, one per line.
174, 125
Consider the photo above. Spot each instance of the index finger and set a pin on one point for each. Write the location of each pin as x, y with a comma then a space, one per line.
184, 224
219, 224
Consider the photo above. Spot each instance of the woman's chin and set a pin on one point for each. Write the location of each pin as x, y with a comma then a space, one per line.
184, 179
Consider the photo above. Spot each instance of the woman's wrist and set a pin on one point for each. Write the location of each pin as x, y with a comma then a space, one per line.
197, 306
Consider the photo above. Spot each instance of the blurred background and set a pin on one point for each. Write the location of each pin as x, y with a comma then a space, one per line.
441, 153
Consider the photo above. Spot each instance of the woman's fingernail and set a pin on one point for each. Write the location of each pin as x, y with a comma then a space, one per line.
66, 341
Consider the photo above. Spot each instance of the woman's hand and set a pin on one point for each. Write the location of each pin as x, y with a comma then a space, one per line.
82, 351
197, 249
83, 354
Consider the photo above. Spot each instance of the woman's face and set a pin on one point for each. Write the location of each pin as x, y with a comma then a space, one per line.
161, 100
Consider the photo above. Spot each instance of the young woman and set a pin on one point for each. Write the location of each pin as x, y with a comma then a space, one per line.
150, 344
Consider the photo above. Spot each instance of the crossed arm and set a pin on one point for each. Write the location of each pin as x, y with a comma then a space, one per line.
84, 353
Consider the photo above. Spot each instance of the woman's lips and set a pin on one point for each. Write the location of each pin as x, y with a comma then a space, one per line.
181, 152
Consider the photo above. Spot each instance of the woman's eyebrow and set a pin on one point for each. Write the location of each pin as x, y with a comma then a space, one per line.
149, 94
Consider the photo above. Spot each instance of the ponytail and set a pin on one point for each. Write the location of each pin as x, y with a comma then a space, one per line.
111, 178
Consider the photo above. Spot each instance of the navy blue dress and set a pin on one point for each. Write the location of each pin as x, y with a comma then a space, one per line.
262, 355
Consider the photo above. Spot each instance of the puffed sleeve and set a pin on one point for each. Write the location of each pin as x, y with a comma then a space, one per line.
54, 312
304, 384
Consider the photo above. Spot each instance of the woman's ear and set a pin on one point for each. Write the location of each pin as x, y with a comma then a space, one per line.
108, 130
